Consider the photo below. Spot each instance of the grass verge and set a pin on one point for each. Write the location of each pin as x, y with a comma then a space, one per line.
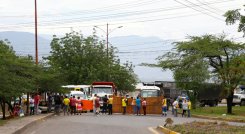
2, 122
207, 128
220, 113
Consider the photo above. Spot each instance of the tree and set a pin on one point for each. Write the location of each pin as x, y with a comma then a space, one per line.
17, 75
83, 60
124, 77
233, 16
207, 56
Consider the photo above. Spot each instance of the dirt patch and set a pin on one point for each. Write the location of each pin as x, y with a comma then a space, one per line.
208, 128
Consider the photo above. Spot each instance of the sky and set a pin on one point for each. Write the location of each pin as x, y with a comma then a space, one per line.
162, 19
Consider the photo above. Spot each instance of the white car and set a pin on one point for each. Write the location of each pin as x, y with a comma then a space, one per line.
238, 99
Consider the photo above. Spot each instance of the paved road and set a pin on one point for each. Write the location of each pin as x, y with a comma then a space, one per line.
104, 124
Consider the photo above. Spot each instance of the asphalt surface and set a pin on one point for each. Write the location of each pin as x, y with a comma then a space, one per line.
88, 123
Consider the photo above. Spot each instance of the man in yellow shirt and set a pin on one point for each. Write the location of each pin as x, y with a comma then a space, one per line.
66, 103
124, 104
164, 106
110, 102
189, 107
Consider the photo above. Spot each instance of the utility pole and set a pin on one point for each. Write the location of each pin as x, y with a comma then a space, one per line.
107, 41
107, 50
107, 32
36, 46
36, 53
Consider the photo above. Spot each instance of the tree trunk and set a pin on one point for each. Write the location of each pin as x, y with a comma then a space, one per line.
10, 107
27, 103
2, 102
229, 100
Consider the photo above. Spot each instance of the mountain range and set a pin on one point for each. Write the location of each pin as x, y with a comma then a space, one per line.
132, 48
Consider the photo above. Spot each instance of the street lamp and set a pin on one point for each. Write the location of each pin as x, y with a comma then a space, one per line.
107, 32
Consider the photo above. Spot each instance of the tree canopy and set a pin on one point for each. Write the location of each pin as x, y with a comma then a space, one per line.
200, 58
83, 60
233, 16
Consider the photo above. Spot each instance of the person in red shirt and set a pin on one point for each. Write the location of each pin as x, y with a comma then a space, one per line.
73, 105
97, 105
36, 102
144, 106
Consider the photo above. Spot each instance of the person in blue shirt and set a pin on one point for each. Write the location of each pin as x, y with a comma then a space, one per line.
138, 105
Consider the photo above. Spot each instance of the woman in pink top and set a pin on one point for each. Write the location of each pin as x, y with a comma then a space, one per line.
144, 106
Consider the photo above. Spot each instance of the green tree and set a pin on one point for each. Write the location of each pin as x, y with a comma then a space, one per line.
17, 75
233, 16
83, 60
124, 77
207, 56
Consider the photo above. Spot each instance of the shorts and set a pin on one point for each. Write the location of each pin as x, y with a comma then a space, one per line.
164, 108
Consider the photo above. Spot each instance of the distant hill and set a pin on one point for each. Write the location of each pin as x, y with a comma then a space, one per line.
135, 49
24, 43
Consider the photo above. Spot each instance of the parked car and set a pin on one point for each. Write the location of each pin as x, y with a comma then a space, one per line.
238, 99
43, 106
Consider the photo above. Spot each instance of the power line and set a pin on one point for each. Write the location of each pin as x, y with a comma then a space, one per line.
110, 15
207, 5
121, 6
198, 10
202, 7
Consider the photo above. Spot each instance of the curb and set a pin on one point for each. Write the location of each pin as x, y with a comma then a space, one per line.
166, 130
21, 129
217, 118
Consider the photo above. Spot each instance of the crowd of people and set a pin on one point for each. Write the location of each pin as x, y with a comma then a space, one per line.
74, 106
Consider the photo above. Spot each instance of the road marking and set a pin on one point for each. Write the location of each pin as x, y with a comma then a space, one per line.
153, 130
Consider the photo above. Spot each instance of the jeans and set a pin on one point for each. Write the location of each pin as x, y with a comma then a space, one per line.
57, 109
110, 109
176, 112
31, 110
144, 109
138, 110
124, 110
65, 109
189, 112
104, 109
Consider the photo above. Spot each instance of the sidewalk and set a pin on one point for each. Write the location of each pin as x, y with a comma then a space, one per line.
15, 126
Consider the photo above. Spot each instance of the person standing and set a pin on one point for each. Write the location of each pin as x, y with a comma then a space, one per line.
184, 107
144, 105
164, 106
97, 105
176, 106
50, 101
133, 103
124, 105
73, 105
66, 103
79, 106
189, 107
31, 106
36, 102
110, 102
94, 99
57, 102
105, 102
138, 105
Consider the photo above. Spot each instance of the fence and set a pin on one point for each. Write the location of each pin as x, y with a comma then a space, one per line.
154, 105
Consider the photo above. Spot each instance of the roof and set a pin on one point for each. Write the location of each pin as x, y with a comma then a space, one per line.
103, 83
149, 88
76, 86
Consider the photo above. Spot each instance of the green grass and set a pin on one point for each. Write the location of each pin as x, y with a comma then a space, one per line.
2, 122
207, 128
238, 112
